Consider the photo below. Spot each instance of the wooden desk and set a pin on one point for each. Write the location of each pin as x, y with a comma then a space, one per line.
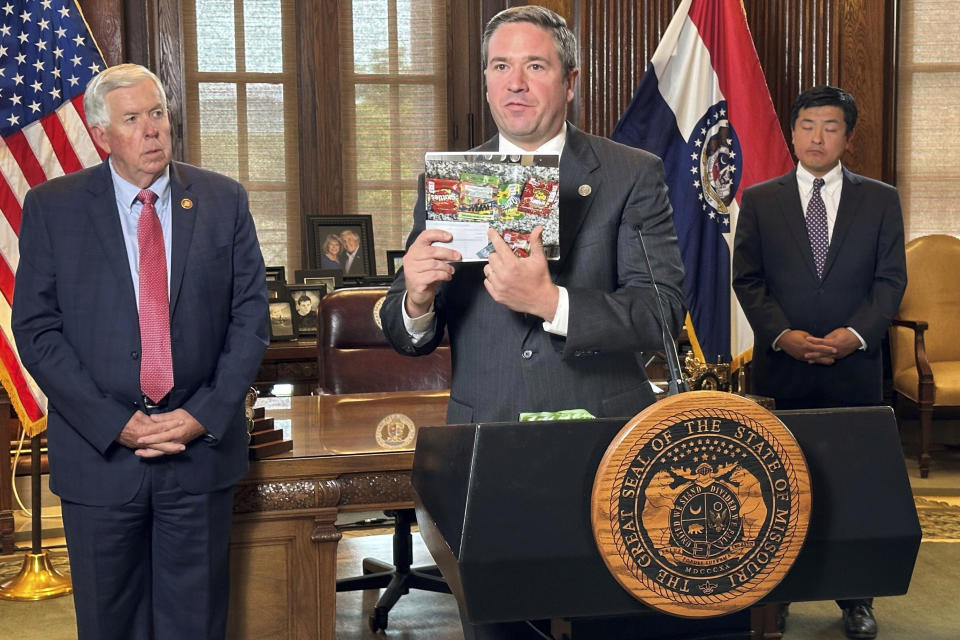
284, 543
293, 362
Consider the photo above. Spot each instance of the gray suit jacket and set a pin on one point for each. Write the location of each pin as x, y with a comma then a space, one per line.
503, 361
776, 282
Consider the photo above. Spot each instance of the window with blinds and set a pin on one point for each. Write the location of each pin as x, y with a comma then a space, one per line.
241, 97
928, 165
393, 85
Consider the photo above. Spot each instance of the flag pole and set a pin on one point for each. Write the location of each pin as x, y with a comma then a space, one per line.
38, 579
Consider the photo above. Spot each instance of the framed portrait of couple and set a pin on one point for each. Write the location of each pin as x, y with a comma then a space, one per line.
342, 243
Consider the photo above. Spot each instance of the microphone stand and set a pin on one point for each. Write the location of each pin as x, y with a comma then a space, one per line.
677, 383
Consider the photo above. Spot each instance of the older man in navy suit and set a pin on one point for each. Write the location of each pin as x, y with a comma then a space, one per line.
140, 309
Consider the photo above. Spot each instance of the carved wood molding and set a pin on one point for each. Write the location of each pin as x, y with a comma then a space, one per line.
375, 488
286, 496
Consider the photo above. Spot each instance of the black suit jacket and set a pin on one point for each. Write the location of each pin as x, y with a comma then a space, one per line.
76, 324
776, 282
503, 361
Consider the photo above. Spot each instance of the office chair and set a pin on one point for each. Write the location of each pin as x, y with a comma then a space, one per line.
355, 357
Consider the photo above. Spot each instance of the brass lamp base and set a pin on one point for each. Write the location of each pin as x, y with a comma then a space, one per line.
37, 580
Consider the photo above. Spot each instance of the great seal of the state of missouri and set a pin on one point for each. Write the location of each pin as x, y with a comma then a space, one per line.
701, 504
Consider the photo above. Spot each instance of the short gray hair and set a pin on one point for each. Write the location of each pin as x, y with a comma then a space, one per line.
120, 76
541, 17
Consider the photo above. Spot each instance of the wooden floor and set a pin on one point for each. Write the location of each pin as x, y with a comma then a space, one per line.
419, 614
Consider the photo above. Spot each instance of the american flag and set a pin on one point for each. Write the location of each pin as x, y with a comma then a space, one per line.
47, 57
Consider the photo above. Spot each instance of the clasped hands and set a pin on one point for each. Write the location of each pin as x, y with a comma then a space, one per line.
521, 284
160, 434
802, 346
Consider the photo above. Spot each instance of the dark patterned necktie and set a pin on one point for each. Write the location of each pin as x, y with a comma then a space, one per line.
156, 361
817, 226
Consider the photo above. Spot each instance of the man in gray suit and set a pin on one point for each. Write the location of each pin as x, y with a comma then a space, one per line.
527, 334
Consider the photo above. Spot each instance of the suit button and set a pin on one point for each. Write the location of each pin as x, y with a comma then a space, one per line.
134, 355
527, 354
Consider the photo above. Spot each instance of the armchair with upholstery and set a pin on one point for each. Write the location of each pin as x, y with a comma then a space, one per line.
354, 357
924, 348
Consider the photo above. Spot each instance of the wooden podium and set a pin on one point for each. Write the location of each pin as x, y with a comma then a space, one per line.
505, 511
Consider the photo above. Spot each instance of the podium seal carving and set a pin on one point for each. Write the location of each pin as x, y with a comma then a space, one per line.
701, 504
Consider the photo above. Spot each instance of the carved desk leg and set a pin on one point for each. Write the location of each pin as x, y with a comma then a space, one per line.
283, 566
6, 486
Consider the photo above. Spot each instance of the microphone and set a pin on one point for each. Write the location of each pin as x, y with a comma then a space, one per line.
677, 382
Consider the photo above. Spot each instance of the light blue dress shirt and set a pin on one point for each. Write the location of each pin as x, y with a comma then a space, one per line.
129, 208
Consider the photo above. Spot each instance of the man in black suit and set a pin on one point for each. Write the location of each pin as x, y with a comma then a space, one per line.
819, 270
141, 311
527, 334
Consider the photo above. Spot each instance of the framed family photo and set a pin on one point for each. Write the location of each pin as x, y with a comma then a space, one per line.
342, 243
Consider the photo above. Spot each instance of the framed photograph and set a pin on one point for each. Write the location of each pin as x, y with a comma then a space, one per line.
305, 299
276, 290
342, 243
330, 277
282, 323
276, 274
394, 261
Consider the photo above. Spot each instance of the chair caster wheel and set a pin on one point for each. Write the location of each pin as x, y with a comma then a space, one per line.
378, 620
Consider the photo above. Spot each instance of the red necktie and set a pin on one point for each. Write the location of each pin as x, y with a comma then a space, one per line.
156, 362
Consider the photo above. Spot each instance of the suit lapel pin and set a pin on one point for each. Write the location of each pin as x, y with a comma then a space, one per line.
584, 190
186, 203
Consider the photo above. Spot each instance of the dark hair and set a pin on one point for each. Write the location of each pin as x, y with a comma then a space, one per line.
826, 96
542, 17
303, 297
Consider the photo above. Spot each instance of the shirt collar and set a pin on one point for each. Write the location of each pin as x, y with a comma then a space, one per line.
127, 192
552, 146
831, 180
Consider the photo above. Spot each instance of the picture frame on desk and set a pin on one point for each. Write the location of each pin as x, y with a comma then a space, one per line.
324, 231
282, 320
276, 290
328, 277
276, 274
394, 261
305, 299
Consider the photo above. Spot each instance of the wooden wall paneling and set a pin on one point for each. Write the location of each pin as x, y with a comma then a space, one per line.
321, 176
863, 63
165, 58
105, 18
465, 101
617, 39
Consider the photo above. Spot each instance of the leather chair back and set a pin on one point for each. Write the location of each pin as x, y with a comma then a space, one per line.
355, 357
933, 295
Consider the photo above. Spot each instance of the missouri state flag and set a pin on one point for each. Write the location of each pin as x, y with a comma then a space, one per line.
703, 106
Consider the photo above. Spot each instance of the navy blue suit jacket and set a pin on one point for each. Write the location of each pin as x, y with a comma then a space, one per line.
76, 326
776, 281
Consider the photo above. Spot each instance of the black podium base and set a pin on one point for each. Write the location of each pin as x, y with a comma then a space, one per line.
653, 626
